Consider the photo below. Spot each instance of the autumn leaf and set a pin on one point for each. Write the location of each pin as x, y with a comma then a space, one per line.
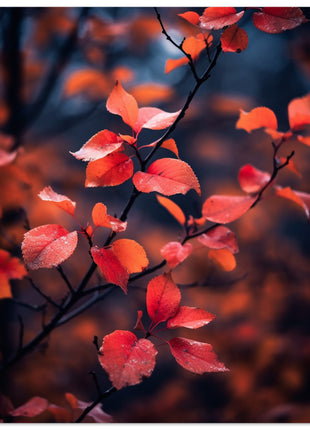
162, 298
131, 255
252, 180
47, 246
197, 357
215, 18
147, 93
278, 19
224, 209
190, 317
88, 81
126, 359
190, 16
175, 253
172, 208
299, 197
63, 202
95, 415
257, 118
234, 39
102, 219
35, 406
112, 170
299, 112
223, 258
7, 157
219, 237
167, 176
98, 146
304, 139
154, 119
10, 268
124, 104
171, 146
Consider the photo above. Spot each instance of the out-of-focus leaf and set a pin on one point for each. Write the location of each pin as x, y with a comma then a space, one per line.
220, 237
10, 268
224, 258
257, 118
175, 253
63, 202
299, 112
252, 180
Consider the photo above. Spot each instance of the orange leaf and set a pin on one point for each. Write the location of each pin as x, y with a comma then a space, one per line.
173, 208
126, 359
278, 19
89, 81
98, 146
299, 112
225, 209
252, 180
171, 146
215, 18
234, 39
174, 253
195, 356
190, 16
218, 238
190, 318
224, 258
47, 246
154, 119
124, 104
172, 63
102, 219
299, 197
114, 169
35, 406
167, 176
131, 255
257, 118
149, 93
193, 45
10, 268
63, 202
291, 165
304, 139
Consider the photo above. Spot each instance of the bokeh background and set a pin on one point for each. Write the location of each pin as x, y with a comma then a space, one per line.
57, 68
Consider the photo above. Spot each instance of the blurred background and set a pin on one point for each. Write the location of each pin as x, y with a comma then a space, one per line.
57, 68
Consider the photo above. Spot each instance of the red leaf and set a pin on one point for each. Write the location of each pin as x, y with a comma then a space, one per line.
192, 17
299, 197
63, 202
304, 139
98, 146
111, 267
48, 246
7, 157
278, 19
299, 112
234, 39
124, 104
167, 176
154, 119
174, 253
131, 255
224, 258
190, 318
139, 325
252, 180
162, 298
173, 208
35, 406
257, 118
218, 238
126, 359
114, 169
225, 209
10, 268
171, 146
96, 415
215, 18
194, 356
102, 219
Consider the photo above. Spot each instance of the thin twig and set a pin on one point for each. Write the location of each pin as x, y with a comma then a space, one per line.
39, 291
64, 277
102, 396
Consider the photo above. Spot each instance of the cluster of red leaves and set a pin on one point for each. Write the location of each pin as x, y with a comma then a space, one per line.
128, 359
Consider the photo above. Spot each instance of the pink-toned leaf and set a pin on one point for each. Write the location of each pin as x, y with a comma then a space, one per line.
63, 202
174, 253
126, 359
192, 17
47, 246
220, 237
98, 146
278, 135
131, 255
102, 219
173, 208
190, 317
224, 209
7, 157
215, 18
167, 176
257, 118
35, 406
112, 170
278, 19
162, 298
299, 197
111, 267
96, 415
234, 39
195, 356
154, 119
124, 104
252, 180
223, 258
299, 112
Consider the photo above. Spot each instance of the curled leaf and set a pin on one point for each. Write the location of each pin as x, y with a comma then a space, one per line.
173, 208
252, 180
220, 237
63, 202
154, 119
98, 146
124, 104
102, 219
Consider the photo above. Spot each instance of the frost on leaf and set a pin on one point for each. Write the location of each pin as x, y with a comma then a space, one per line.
252, 180
98, 146
174, 253
124, 104
220, 237
112, 170
126, 359
299, 112
278, 19
234, 39
195, 356
162, 298
102, 219
224, 209
167, 176
10, 268
259, 117
48, 246
190, 318
172, 208
63, 202
215, 18
131, 255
